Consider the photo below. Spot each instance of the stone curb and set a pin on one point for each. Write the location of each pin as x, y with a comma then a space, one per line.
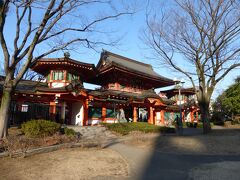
50, 149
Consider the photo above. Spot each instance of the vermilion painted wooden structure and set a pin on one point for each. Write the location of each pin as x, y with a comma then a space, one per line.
126, 86
188, 100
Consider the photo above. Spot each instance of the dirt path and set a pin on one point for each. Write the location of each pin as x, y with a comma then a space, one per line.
66, 164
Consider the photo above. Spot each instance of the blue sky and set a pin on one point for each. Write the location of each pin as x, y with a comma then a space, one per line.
129, 29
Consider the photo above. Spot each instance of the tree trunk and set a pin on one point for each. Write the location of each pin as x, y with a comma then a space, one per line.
205, 116
4, 112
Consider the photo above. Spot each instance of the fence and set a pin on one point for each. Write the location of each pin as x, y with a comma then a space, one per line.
20, 113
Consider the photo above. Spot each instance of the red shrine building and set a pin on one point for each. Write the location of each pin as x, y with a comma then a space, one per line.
126, 90
188, 101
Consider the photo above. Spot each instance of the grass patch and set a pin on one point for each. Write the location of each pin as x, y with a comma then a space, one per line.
126, 128
69, 132
195, 125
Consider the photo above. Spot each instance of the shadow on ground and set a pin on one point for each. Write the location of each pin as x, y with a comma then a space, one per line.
195, 156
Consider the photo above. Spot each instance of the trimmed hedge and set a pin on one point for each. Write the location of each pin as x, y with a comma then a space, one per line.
195, 125
126, 128
40, 128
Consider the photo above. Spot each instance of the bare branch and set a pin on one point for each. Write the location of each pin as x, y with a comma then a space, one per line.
204, 32
227, 71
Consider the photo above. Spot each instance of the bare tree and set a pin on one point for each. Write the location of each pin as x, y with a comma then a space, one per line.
29, 74
205, 35
39, 23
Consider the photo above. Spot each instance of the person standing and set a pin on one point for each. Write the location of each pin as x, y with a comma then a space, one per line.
179, 126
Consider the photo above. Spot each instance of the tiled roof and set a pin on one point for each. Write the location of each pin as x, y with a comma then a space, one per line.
61, 60
174, 91
108, 59
27, 86
129, 95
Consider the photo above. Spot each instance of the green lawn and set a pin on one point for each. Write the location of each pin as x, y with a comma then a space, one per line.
126, 128
191, 125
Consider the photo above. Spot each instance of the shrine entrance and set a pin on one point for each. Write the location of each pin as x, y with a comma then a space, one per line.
77, 113
128, 110
142, 115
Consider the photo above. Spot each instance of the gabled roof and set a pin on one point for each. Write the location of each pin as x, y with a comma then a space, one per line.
109, 60
174, 91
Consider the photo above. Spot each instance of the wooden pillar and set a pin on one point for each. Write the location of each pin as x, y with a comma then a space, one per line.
183, 116
162, 117
50, 79
65, 75
192, 116
104, 113
155, 117
135, 115
85, 118
52, 110
197, 116
150, 117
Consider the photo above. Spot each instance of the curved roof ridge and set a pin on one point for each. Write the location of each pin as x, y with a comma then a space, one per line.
65, 59
126, 58
126, 63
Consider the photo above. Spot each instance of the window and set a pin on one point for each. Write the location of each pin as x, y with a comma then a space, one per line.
94, 112
24, 108
111, 113
48, 77
122, 86
167, 116
72, 76
58, 75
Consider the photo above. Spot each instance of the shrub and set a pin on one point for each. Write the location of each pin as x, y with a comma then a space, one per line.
220, 123
69, 132
40, 128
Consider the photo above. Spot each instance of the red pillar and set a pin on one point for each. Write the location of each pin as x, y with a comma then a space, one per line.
162, 117
85, 117
197, 116
52, 110
150, 117
192, 116
135, 114
104, 113
183, 116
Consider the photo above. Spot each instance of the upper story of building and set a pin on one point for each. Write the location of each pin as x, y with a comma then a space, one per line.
185, 96
60, 72
113, 72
